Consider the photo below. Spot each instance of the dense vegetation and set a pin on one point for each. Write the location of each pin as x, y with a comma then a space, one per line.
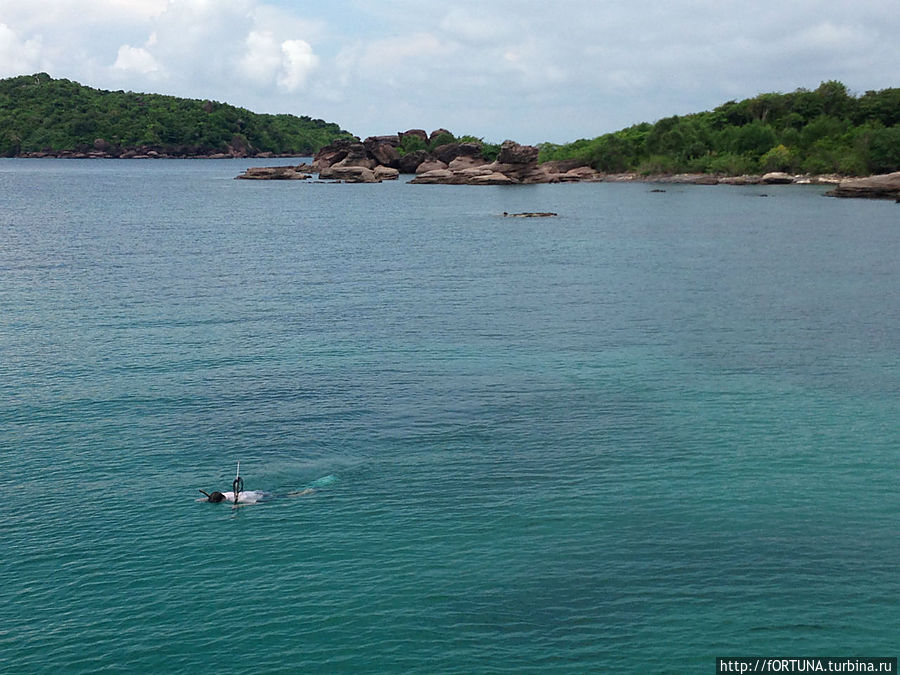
817, 132
38, 114
411, 143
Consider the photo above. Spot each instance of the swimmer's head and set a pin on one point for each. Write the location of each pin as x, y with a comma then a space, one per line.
215, 497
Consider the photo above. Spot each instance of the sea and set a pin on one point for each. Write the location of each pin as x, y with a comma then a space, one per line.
657, 429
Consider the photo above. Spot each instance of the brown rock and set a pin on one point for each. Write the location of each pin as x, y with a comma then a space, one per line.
350, 174
273, 173
883, 186
777, 178
357, 156
332, 153
430, 165
383, 149
688, 179
461, 163
391, 139
409, 162
741, 180
386, 173
513, 153
436, 176
494, 178
580, 174
450, 151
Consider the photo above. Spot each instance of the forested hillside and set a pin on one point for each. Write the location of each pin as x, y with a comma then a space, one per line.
817, 132
41, 114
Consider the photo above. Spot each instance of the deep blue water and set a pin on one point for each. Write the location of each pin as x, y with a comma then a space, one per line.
659, 428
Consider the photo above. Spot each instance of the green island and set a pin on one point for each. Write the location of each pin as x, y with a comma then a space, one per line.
824, 131
42, 116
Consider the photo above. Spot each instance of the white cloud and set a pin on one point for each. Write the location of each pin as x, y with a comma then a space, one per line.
17, 56
136, 60
287, 64
297, 64
262, 59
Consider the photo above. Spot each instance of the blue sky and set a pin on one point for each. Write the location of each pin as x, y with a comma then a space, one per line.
521, 69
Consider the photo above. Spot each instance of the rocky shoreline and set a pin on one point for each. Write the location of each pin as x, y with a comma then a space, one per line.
102, 149
379, 158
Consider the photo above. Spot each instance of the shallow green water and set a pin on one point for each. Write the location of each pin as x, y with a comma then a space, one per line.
659, 428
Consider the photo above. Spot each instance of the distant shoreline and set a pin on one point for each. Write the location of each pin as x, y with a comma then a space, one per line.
151, 154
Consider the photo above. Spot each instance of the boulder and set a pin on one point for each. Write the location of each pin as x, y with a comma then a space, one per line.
513, 153
443, 176
386, 173
883, 186
493, 178
273, 173
777, 178
357, 156
430, 165
580, 174
332, 153
462, 163
688, 179
450, 151
741, 180
409, 162
471, 172
350, 174
527, 173
383, 149
390, 139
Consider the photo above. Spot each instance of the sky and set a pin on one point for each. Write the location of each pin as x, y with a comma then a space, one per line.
527, 70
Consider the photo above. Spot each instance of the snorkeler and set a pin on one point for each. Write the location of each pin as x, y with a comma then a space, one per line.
239, 496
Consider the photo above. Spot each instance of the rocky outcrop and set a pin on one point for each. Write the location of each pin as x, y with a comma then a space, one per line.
332, 154
513, 153
884, 186
383, 149
516, 164
357, 156
386, 151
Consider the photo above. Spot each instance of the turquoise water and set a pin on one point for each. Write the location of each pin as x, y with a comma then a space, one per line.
659, 428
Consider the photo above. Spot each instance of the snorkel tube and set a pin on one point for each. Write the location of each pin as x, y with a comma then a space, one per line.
237, 484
